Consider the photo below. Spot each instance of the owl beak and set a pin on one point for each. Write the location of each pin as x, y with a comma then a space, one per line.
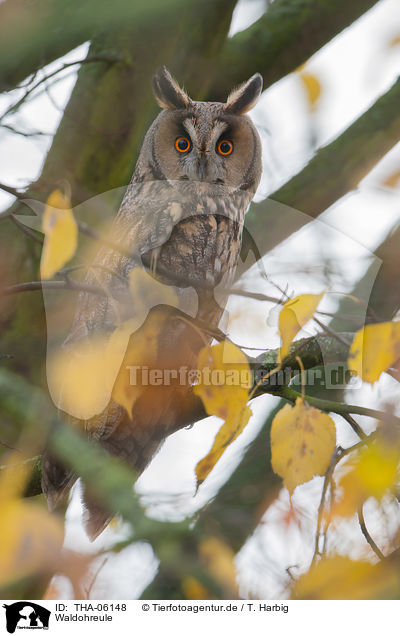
202, 167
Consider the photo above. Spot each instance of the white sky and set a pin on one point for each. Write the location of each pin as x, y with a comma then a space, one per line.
354, 69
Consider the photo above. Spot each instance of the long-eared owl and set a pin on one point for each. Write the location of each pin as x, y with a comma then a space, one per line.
180, 223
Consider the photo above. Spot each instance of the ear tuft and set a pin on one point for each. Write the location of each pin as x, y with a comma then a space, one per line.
167, 91
243, 98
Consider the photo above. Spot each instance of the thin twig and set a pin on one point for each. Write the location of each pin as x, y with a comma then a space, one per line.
354, 425
71, 285
330, 331
255, 295
26, 230
74, 268
367, 535
289, 573
96, 574
280, 301
337, 456
97, 58
335, 459
336, 407
9, 447
47, 90
364, 304
10, 190
22, 133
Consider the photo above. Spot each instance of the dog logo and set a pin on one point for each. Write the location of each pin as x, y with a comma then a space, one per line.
26, 615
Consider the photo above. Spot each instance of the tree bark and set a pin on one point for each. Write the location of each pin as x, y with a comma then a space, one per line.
288, 33
335, 170
35, 33
282, 39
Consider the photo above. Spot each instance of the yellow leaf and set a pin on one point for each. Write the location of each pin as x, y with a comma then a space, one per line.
228, 432
81, 375
373, 472
78, 377
352, 496
392, 180
378, 468
219, 559
13, 477
31, 538
394, 41
375, 349
84, 375
223, 387
302, 442
342, 578
294, 314
224, 382
194, 590
61, 234
141, 353
312, 87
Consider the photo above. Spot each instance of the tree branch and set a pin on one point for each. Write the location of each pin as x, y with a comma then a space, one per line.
354, 425
285, 37
315, 351
335, 170
10, 190
337, 407
39, 285
33, 34
384, 297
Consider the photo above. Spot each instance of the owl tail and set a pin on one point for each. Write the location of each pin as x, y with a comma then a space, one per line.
57, 481
95, 518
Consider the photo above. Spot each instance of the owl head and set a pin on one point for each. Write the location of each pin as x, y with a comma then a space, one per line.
210, 142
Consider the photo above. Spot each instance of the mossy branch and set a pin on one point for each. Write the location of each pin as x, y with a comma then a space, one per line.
33, 34
288, 33
334, 171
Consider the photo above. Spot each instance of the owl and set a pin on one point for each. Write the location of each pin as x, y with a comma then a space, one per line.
180, 221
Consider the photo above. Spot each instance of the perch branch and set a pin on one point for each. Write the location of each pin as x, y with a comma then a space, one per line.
337, 407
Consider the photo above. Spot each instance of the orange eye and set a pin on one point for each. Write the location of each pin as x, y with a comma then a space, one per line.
182, 144
225, 147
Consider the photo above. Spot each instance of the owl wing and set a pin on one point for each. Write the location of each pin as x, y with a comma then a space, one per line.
145, 220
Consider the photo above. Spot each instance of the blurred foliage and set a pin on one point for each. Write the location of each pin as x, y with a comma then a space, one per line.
343, 578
